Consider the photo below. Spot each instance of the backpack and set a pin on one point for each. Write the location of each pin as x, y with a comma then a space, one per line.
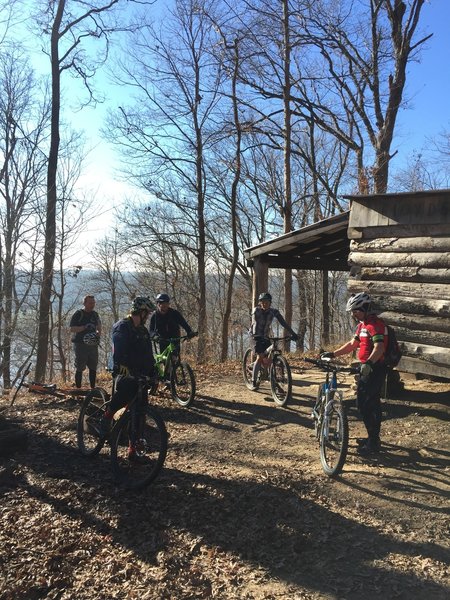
393, 353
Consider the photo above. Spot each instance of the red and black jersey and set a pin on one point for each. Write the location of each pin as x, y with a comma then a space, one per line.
369, 332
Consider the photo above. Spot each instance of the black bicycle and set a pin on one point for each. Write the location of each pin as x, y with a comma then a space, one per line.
330, 418
275, 368
138, 438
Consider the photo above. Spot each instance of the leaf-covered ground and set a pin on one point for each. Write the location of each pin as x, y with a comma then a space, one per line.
241, 509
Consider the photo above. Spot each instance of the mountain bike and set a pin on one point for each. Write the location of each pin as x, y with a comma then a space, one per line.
88, 427
138, 426
44, 389
275, 369
173, 372
330, 418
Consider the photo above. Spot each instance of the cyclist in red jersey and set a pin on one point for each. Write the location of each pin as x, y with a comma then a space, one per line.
371, 340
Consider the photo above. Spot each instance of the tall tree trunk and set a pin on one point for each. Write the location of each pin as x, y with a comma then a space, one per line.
287, 160
50, 223
201, 256
302, 309
233, 211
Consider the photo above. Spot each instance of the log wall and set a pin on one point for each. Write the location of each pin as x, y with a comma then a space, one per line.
400, 255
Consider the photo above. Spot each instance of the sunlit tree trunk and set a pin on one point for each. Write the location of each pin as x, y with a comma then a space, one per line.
50, 222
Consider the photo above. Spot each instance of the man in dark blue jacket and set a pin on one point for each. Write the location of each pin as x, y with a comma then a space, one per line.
132, 356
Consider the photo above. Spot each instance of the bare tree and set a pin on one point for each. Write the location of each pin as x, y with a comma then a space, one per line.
165, 136
69, 25
366, 53
24, 119
109, 279
74, 211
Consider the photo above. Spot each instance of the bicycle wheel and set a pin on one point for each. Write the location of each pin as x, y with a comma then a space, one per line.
333, 439
280, 380
247, 370
140, 468
182, 384
92, 410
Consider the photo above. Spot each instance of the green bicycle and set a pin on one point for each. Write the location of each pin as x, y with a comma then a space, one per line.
173, 372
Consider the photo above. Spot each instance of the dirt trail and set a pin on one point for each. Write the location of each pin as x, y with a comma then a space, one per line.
242, 509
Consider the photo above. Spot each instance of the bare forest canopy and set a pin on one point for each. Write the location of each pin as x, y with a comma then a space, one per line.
234, 122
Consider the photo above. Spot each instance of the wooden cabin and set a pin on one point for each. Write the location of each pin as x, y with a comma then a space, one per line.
400, 255
397, 248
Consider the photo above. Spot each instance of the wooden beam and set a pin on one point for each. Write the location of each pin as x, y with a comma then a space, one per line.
409, 364
325, 263
419, 274
410, 230
434, 354
416, 322
420, 337
428, 306
399, 288
434, 260
400, 244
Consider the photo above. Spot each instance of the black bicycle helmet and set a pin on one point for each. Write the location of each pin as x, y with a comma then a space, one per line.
141, 303
265, 296
162, 298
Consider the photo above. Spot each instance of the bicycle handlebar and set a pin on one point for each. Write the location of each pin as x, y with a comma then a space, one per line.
157, 338
326, 365
271, 339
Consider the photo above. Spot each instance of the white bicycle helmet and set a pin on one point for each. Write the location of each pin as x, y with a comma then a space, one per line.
91, 339
360, 301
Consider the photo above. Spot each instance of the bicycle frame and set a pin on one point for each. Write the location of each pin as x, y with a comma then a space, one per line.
330, 386
330, 419
323, 408
269, 365
273, 349
167, 358
164, 359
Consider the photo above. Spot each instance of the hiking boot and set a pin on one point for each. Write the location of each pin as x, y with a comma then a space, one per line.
369, 448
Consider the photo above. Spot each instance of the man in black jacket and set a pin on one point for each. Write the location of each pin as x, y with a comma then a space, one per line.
166, 322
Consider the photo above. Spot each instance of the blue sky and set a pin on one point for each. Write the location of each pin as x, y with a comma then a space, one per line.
427, 94
427, 90
428, 85
427, 114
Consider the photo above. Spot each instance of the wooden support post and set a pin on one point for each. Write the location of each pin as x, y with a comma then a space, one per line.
260, 278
